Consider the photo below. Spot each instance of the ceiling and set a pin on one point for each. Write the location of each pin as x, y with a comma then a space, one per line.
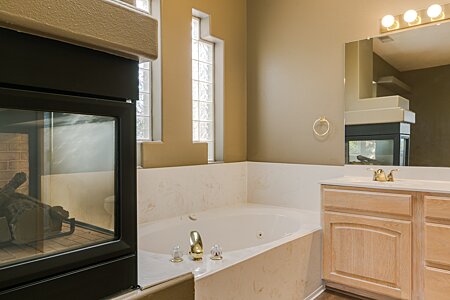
418, 48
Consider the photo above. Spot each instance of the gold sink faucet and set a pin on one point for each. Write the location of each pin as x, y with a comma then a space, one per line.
196, 246
380, 175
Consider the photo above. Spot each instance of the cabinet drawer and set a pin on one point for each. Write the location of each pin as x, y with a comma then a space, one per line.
437, 207
367, 201
437, 284
437, 244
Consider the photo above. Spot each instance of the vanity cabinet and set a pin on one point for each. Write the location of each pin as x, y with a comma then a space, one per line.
437, 247
368, 240
386, 244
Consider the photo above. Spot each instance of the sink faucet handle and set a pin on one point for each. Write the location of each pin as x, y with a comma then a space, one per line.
378, 174
390, 176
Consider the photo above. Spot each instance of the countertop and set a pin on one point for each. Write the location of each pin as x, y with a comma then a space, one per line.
428, 186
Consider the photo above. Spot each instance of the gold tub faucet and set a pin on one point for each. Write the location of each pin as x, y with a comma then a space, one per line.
380, 175
196, 246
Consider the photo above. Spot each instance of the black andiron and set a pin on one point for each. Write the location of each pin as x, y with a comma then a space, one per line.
24, 219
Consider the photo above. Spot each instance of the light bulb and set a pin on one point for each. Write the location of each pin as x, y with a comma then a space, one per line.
434, 11
388, 21
410, 16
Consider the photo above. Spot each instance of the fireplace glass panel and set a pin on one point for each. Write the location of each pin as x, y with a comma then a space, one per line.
371, 152
57, 183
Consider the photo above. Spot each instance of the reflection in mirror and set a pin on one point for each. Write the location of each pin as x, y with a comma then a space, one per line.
397, 98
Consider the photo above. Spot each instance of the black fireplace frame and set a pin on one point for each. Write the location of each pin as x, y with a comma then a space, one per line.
386, 131
95, 83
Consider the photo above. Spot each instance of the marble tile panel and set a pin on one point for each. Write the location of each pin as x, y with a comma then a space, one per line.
288, 185
169, 192
290, 271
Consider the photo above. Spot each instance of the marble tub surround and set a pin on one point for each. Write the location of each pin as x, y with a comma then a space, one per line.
288, 271
289, 185
236, 229
169, 192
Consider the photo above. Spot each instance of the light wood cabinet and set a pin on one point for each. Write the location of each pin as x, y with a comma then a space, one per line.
437, 247
437, 244
437, 207
369, 253
386, 244
437, 284
367, 201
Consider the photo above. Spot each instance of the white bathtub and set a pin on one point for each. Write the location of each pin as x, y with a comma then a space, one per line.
242, 231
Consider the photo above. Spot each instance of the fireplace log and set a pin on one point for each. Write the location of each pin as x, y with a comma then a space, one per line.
5, 234
28, 218
13, 184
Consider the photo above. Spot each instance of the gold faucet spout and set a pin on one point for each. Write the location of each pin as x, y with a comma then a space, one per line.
380, 175
196, 246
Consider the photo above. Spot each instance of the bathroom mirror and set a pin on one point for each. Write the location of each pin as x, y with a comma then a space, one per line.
397, 98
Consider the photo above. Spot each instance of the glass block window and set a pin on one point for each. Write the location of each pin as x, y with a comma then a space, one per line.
144, 104
143, 4
202, 89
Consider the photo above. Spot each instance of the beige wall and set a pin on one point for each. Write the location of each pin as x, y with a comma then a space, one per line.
228, 22
382, 68
358, 72
296, 70
430, 142
429, 100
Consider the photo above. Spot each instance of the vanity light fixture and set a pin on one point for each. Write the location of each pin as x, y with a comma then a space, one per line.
410, 16
388, 21
434, 13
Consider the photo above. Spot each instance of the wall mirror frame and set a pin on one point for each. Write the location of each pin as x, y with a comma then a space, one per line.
397, 98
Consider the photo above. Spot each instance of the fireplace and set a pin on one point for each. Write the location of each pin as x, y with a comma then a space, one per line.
67, 170
377, 144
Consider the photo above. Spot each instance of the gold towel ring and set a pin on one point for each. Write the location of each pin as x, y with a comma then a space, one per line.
320, 121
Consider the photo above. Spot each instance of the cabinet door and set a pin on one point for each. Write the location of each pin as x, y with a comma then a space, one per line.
437, 284
368, 253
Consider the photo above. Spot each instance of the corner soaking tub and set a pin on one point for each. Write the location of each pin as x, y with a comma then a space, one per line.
243, 232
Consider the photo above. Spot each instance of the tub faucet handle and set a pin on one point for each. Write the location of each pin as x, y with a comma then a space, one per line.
196, 246
216, 252
177, 255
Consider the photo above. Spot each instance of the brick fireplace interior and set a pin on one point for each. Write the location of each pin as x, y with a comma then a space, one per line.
14, 158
